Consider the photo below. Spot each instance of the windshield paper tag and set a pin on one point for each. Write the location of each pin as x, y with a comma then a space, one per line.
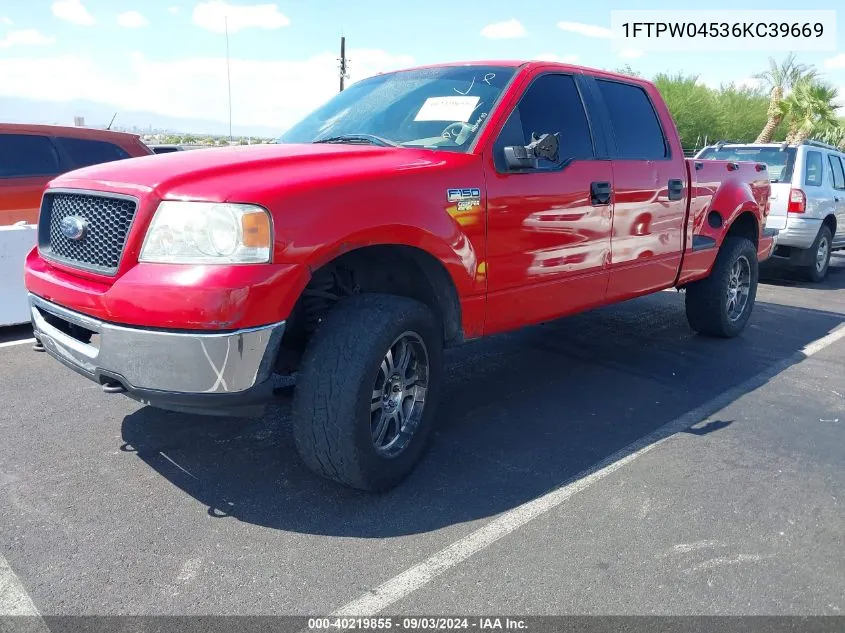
447, 109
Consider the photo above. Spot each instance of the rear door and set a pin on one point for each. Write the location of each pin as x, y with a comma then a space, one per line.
649, 193
837, 169
817, 185
27, 163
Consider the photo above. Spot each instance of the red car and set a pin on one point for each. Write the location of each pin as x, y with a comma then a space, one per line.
31, 155
415, 210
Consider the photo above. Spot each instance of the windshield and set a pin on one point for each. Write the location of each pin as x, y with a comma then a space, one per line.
440, 108
778, 162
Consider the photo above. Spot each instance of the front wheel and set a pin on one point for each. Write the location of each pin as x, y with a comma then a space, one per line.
721, 304
366, 391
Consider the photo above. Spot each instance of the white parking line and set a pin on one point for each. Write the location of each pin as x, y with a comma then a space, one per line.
21, 342
14, 601
421, 574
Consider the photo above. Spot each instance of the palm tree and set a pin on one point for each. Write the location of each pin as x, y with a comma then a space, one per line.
779, 78
810, 109
833, 134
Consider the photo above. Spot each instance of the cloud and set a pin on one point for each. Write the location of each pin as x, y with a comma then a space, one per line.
212, 15
72, 11
132, 20
587, 30
26, 37
837, 61
264, 93
173, 10
630, 53
554, 57
507, 30
6, 21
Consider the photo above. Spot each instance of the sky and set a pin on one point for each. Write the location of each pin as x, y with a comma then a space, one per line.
169, 56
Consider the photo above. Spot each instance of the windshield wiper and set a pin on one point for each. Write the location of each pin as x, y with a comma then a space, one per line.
372, 139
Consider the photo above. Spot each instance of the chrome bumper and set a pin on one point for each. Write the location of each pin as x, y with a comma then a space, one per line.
799, 232
158, 362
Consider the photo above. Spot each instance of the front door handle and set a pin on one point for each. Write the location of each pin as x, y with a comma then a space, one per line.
676, 189
599, 193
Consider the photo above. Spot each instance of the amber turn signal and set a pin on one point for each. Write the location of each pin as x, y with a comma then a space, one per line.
256, 229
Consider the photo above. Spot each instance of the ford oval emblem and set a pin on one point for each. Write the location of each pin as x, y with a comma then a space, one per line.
73, 227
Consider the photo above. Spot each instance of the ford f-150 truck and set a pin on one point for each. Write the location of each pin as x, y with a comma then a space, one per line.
416, 210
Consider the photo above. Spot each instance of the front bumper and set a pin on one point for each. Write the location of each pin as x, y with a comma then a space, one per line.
799, 232
219, 373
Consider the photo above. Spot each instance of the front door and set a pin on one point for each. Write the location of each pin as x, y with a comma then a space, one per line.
548, 228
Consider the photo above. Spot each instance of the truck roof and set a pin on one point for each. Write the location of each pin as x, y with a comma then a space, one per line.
518, 63
65, 130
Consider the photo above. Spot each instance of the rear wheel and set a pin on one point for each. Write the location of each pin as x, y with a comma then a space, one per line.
721, 304
817, 270
364, 401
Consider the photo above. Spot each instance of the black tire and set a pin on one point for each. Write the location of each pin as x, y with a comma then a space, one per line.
332, 404
817, 271
707, 300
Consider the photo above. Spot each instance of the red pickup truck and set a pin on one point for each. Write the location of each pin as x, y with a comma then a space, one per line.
416, 210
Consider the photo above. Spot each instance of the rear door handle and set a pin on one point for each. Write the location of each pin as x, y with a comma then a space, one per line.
676, 189
599, 193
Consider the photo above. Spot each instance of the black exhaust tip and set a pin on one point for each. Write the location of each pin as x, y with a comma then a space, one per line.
37, 346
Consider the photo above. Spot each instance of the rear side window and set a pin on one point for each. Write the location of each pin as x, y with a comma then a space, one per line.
84, 152
552, 104
837, 171
636, 127
25, 155
813, 169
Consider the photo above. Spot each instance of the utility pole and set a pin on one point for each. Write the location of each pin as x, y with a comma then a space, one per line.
343, 60
228, 74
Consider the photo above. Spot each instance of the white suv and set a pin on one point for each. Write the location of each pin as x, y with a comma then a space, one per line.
807, 200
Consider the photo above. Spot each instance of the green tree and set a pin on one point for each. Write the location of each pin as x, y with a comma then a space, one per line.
809, 109
779, 78
742, 113
693, 106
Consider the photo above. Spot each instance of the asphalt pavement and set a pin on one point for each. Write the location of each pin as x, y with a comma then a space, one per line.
699, 476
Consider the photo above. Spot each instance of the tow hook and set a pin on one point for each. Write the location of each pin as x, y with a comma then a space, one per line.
113, 387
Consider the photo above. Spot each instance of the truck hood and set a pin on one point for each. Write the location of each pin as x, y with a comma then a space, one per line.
245, 173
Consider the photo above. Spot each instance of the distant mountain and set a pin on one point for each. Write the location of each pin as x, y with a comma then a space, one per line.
17, 110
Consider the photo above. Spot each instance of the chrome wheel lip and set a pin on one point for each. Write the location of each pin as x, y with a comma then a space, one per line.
399, 394
821, 254
739, 288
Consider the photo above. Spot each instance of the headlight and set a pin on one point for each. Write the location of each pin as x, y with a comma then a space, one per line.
208, 233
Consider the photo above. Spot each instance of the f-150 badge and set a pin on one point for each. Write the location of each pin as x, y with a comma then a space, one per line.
465, 199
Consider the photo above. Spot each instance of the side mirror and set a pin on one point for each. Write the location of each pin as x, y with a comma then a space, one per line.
545, 147
518, 157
